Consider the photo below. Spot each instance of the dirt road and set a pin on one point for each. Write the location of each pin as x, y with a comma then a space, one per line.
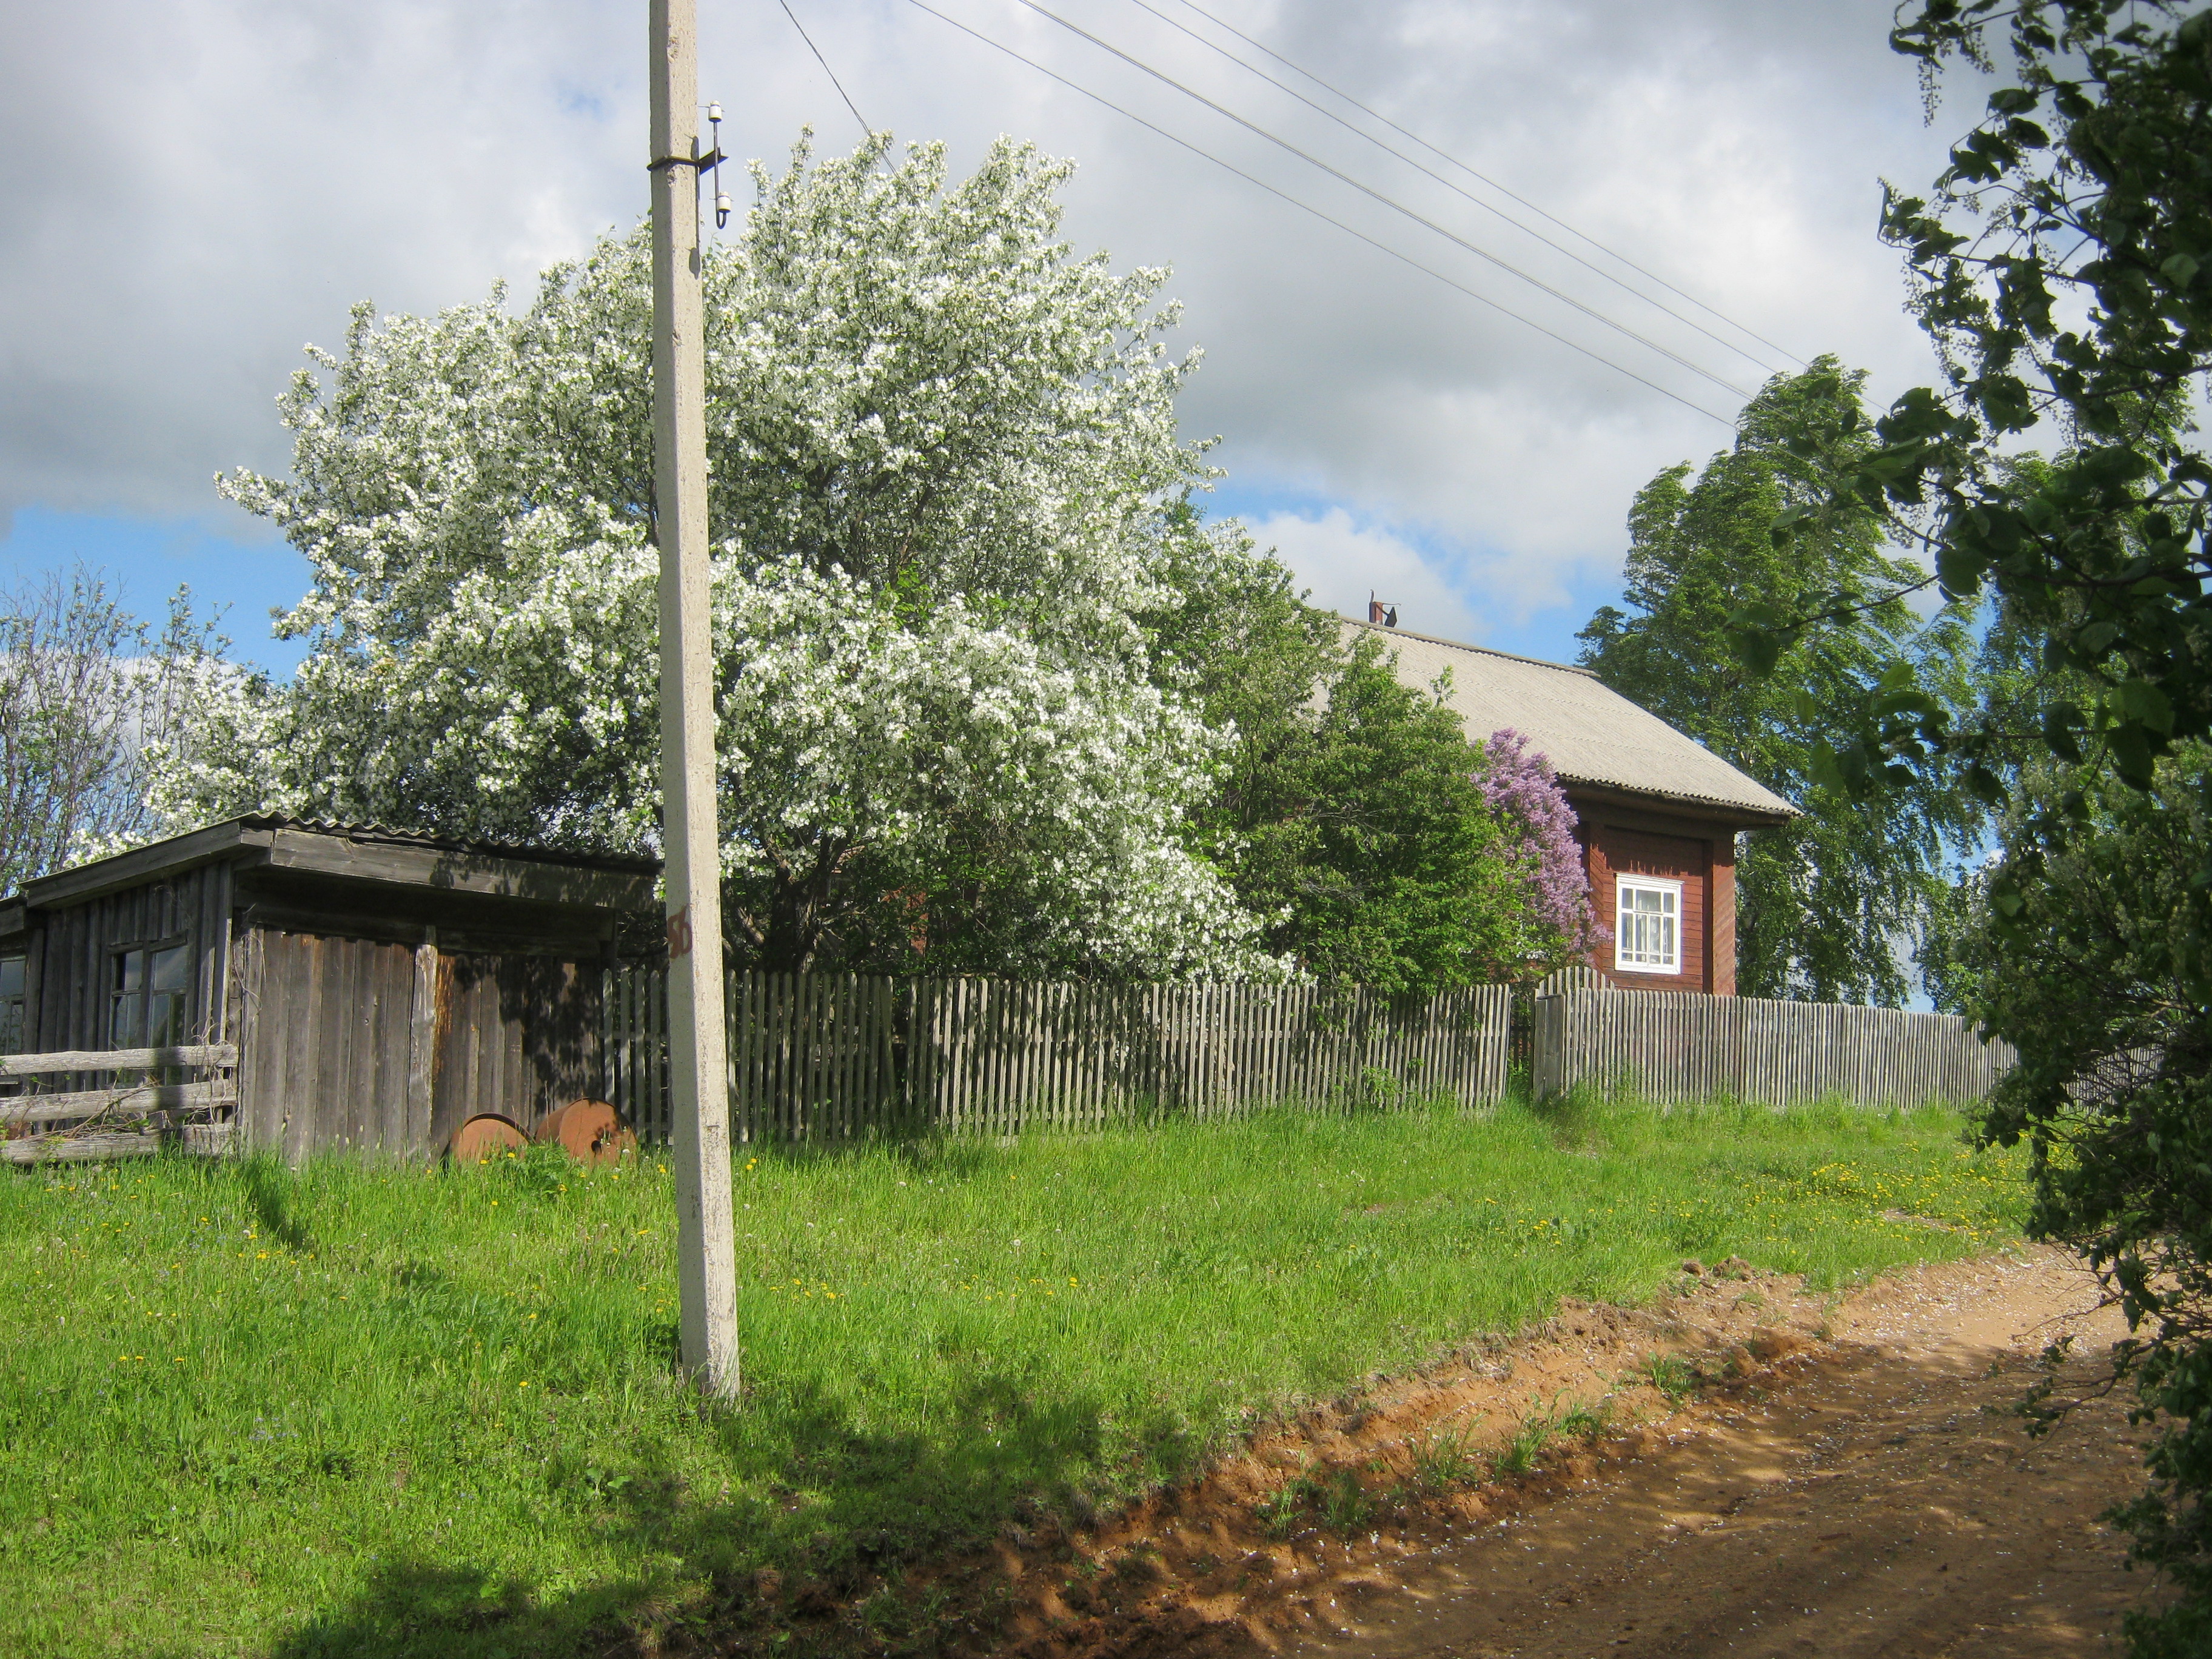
1885, 1501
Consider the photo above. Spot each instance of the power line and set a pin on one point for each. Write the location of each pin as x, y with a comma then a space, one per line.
1460, 191
1394, 206
1471, 173
866, 132
1405, 258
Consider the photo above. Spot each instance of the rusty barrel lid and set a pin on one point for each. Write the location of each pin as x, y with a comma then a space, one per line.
592, 1131
488, 1135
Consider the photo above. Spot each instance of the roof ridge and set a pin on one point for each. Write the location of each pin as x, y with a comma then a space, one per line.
1461, 645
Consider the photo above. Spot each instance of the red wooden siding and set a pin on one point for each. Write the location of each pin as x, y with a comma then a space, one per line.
1619, 839
1720, 917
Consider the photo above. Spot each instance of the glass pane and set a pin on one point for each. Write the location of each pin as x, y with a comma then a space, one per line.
165, 1027
1647, 933
11, 1027
172, 967
11, 976
129, 969
127, 1024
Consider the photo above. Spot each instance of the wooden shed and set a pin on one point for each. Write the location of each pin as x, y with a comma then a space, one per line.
379, 986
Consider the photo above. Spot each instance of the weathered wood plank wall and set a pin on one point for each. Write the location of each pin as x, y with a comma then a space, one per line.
828, 1056
343, 1053
71, 961
1667, 1045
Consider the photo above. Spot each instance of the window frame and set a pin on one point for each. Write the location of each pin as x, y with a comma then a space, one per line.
17, 1003
1668, 886
152, 947
19, 1000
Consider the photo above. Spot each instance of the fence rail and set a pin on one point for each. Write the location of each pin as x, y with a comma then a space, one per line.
1668, 1046
90, 1121
838, 1056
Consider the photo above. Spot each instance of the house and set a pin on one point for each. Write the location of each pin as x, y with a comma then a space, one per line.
380, 986
1658, 812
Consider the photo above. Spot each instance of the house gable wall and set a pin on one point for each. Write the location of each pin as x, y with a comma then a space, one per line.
1621, 837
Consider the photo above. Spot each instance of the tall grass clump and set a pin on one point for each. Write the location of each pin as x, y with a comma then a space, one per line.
362, 1408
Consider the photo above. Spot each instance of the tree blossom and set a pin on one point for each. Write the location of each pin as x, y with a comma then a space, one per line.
1521, 788
940, 451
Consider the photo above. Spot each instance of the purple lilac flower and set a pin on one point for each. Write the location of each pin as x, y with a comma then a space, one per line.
1520, 786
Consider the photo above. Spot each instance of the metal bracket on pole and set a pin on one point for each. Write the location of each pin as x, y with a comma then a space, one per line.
713, 159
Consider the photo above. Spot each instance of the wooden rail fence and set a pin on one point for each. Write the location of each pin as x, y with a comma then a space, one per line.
1668, 1046
838, 1056
131, 1111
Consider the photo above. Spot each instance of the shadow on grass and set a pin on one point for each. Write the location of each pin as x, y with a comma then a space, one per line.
834, 1511
267, 1187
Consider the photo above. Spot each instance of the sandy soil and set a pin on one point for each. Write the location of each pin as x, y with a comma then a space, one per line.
1888, 1503
1854, 1481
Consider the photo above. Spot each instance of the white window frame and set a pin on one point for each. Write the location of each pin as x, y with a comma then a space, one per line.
1639, 960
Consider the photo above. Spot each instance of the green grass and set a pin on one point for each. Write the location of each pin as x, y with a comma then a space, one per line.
362, 1410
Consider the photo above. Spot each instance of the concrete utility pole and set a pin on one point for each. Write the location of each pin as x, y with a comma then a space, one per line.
706, 1244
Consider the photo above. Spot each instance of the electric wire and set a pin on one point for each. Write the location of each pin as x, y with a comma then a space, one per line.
1471, 173
1460, 191
866, 129
1392, 203
1307, 207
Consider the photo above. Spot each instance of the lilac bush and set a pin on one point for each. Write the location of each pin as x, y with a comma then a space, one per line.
1520, 786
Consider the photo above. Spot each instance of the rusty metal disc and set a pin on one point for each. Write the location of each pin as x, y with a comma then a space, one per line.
592, 1131
488, 1135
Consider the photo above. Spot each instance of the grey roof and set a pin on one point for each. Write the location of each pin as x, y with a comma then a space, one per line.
373, 833
1592, 735
372, 851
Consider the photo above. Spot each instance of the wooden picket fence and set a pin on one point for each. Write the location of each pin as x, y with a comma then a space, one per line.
1668, 1046
840, 1056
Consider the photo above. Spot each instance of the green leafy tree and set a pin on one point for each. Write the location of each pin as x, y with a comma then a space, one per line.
1824, 903
1352, 810
88, 694
2061, 266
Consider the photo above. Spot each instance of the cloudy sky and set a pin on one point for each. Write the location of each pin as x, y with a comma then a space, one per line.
197, 188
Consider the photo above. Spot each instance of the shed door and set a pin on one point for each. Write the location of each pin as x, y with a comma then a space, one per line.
326, 1065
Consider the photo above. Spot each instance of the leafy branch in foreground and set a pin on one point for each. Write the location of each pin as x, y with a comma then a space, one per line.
2060, 266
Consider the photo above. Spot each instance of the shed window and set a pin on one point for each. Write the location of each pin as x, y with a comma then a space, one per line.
1648, 927
147, 1010
11, 1004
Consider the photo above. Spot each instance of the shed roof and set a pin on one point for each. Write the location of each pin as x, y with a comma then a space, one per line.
370, 852
1593, 736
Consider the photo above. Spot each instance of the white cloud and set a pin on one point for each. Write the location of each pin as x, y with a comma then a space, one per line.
196, 187
1344, 563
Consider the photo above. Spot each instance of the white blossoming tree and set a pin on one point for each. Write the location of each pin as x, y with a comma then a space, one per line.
942, 451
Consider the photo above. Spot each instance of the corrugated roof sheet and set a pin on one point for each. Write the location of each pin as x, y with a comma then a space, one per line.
1590, 733
627, 863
